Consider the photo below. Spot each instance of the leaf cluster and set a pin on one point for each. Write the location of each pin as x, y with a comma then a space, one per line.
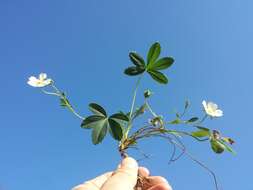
101, 123
152, 66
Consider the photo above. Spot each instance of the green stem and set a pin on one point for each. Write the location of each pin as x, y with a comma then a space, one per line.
73, 111
50, 93
203, 119
151, 111
60, 94
187, 134
132, 108
56, 89
134, 96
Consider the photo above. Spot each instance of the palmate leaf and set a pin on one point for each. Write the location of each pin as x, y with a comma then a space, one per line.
158, 76
137, 59
98, 124
153, 66
153, 53
132, 71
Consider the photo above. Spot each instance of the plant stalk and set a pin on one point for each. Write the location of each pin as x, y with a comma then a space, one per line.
129, 125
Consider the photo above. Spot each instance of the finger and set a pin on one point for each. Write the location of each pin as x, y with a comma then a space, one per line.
123, 178
161, 186
151, 181
144, 172
94, 184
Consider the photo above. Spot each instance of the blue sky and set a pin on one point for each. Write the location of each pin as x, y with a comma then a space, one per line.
83, 46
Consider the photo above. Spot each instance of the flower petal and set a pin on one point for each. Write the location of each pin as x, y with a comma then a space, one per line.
204, 104
218, 113
33, 83
42, 76
212, 106
32, 78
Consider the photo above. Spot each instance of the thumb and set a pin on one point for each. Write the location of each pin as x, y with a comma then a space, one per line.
124, 178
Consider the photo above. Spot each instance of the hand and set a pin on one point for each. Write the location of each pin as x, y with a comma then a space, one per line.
125, 178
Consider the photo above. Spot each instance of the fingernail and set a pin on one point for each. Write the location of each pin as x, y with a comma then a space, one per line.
129, 163
143, 171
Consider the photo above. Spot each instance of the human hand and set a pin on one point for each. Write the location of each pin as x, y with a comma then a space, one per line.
125, 178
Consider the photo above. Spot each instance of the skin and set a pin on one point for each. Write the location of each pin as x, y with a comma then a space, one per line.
125, 178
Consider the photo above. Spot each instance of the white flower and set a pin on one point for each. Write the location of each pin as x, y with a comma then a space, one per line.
41, 81
211, 109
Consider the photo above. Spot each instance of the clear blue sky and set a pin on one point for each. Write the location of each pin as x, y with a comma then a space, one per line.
83, 46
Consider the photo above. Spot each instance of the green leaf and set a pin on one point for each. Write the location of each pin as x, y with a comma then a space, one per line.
119, 116
153, 53
63, 102
162, 63
99, 131
228, 140
97, 109
193, 119
201, 133
132, 71
116, 129
176, 121
137, 59
217, 147
203, 128
228, 148
91, 121
158, 76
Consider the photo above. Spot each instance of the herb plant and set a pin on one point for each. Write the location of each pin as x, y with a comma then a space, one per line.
120, 124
